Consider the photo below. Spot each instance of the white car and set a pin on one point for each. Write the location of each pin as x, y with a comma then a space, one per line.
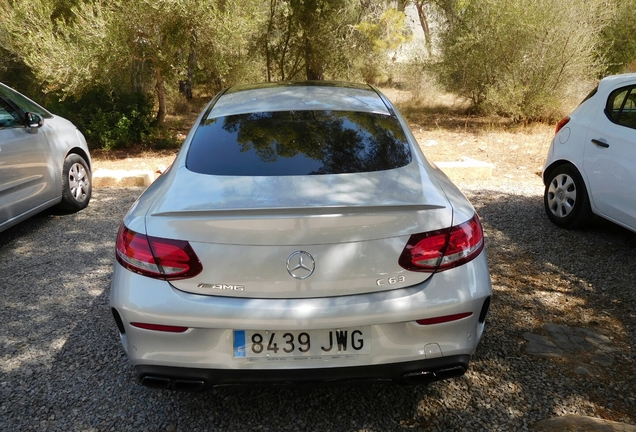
300, 236
591, 165
44, 161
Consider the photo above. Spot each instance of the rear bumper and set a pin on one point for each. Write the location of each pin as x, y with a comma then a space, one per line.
203, 356
407, 373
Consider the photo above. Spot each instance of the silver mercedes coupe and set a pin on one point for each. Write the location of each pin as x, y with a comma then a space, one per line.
300, 236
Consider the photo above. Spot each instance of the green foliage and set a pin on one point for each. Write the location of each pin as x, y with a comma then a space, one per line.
378, 38
521, 59
109, 120
518, 58
303, 39
618, 46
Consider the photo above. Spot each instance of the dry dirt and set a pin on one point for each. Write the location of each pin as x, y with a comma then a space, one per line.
444, 133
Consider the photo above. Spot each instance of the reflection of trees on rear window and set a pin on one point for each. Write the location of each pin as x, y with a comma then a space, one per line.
298, 143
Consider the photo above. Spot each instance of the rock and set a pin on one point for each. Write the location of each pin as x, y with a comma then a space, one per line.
541, 346
574, 423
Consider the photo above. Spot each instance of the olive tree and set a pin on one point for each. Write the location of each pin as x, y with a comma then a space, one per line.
518, 58
618, 46
139, 44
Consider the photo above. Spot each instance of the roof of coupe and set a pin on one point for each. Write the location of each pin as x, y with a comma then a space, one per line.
296, 96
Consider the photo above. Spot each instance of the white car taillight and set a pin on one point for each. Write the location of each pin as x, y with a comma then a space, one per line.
561, 123
441, 250
156, 257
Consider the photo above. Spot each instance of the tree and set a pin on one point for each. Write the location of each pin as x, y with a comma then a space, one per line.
519, 58
336, 39
422, 13
305, 37
121, 43
618, 45
378, 38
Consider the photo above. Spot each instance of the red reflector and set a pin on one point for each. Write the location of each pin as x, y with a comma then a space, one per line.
441, 250
156, 257
561, 123
443, 319
159, 327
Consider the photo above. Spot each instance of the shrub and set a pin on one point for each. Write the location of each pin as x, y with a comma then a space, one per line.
110, 120
520, 59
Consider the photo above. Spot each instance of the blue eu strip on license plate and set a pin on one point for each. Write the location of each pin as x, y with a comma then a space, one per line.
239, 343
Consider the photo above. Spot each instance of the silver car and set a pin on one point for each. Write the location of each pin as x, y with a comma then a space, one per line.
300, 236
44, 161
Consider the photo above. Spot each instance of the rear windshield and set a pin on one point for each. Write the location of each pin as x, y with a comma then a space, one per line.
286, 143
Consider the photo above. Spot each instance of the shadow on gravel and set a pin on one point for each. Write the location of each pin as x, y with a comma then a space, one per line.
62, 366
577, 278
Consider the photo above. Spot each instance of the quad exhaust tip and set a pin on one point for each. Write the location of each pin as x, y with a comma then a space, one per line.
427, 377
163, 383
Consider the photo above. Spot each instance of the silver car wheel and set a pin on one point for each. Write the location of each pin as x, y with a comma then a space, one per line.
76, 187
78, 182
562, 195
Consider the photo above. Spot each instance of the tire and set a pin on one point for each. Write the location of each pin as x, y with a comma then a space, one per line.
76, 184
565, 198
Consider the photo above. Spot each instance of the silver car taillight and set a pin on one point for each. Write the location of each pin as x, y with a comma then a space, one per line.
156, 257
444, 249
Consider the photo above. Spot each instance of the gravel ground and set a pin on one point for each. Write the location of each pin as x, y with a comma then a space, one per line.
62, 366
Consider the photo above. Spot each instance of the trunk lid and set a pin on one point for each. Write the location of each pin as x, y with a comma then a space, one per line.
299, 236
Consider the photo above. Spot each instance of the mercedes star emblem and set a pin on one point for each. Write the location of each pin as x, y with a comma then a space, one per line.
300, 265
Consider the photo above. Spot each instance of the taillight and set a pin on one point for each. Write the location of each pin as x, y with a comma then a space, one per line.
561, 123
441, 250
156, 257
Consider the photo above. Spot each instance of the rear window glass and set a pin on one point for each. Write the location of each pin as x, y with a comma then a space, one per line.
621, 107
286, 143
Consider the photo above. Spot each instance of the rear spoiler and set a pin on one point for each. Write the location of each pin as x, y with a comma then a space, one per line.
302, 211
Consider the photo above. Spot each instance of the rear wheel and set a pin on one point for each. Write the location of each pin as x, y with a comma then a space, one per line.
76, 184
565, 198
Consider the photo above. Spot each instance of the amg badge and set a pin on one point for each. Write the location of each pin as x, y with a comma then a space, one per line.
222, 287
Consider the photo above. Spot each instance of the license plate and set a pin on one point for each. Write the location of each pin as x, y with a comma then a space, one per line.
302, 345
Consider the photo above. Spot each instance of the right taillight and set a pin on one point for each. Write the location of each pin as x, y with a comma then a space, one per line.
441, 250
561, 123
156, 257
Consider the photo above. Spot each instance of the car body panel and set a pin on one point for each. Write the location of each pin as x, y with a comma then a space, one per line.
211, 318
609, 172
26, 172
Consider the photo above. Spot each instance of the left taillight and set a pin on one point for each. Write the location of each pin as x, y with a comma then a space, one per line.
156, 257
441, 250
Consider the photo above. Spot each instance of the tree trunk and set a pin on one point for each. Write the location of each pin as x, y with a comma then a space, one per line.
313, 66
419, 5
192, 64
161, 96
270, 26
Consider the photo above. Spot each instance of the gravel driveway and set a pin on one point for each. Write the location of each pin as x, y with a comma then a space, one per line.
62, 366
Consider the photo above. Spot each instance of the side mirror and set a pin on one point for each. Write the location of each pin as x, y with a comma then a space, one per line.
34, 120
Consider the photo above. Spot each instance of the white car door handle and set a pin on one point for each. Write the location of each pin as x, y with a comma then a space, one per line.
600, 143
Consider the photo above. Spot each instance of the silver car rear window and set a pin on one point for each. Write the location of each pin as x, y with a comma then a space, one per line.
286, 143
